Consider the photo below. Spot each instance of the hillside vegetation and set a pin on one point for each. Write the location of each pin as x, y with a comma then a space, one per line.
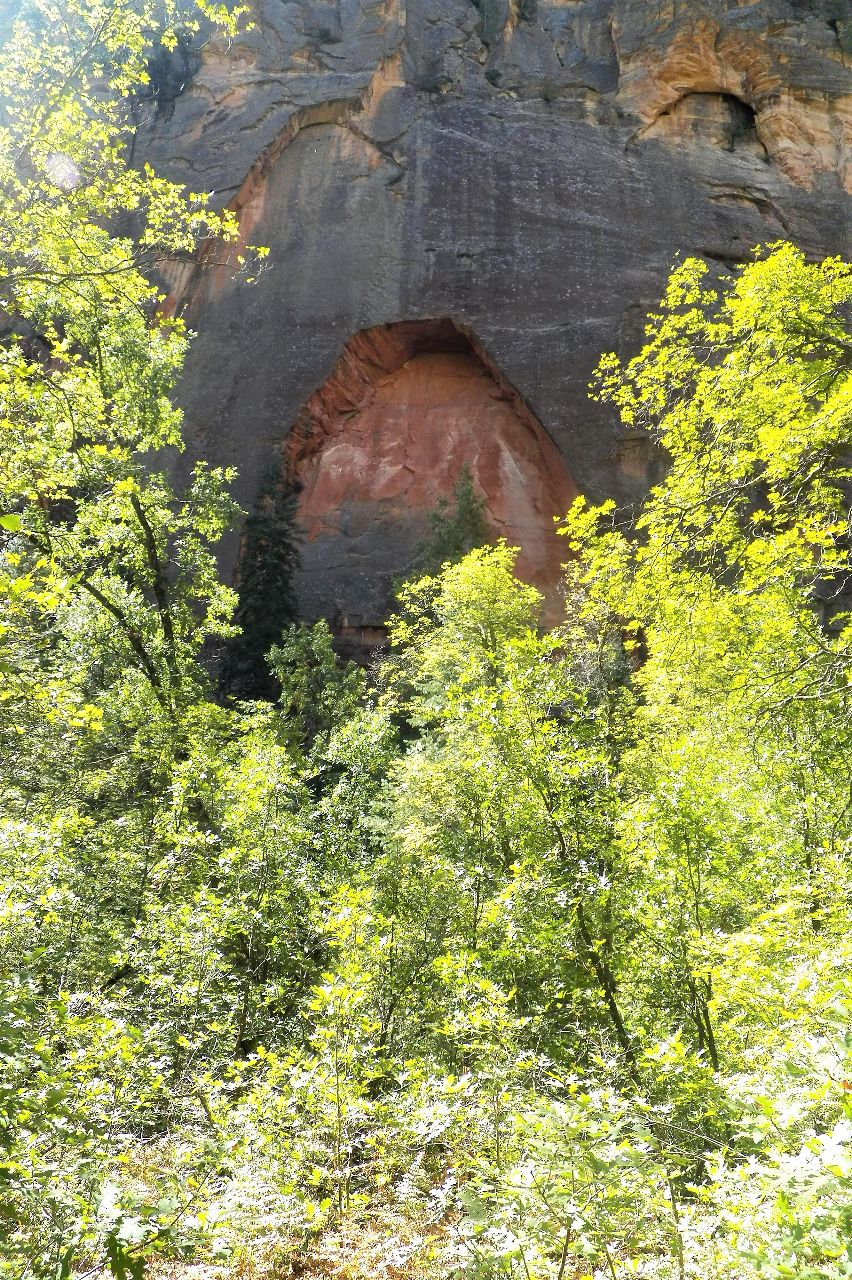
523, 954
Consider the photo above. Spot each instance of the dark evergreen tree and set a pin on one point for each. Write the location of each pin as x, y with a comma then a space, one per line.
457, 526
268, 564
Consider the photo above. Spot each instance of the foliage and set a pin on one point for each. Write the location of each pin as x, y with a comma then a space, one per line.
456, 527
749, 395
526, 953
269, 560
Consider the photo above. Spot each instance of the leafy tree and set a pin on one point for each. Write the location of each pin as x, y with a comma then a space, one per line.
317, 692
86, 364
749, 395
110, 586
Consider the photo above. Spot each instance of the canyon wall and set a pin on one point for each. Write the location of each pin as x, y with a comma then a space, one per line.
466, 202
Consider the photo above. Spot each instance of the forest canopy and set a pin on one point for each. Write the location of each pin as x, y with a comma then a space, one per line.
522, 953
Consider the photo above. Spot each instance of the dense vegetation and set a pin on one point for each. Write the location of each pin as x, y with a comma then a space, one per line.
524, 954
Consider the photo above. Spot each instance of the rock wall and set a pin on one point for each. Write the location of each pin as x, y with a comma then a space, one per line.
528, 170
385, 438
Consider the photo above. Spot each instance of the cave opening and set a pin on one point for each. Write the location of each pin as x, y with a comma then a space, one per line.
711, 118
406, 409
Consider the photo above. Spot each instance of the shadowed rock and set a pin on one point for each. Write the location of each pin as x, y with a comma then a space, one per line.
531, 170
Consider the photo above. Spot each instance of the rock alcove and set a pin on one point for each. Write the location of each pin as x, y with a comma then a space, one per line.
406, 407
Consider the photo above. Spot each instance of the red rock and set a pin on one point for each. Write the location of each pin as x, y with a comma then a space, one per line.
386, 437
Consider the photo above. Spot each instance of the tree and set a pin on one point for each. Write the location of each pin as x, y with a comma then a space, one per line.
456, 527
747, 538
87, 362
269, 561
110, 588
749, 393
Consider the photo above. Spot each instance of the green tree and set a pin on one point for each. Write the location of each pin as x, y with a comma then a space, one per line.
269, 561
747, 538
457, 526
110, 592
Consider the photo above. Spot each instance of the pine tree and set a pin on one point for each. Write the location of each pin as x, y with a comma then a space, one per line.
268, 564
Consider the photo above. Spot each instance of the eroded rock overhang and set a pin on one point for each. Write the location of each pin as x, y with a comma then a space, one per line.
532, 170
406, 409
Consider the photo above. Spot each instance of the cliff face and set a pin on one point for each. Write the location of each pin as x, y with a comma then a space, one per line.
521, 175
385, 438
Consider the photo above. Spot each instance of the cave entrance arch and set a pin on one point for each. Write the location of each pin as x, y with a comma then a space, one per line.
406, 407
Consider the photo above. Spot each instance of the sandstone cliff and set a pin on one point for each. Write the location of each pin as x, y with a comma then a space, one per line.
506, 183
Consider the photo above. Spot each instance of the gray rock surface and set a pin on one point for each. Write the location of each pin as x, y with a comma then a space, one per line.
527, 168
